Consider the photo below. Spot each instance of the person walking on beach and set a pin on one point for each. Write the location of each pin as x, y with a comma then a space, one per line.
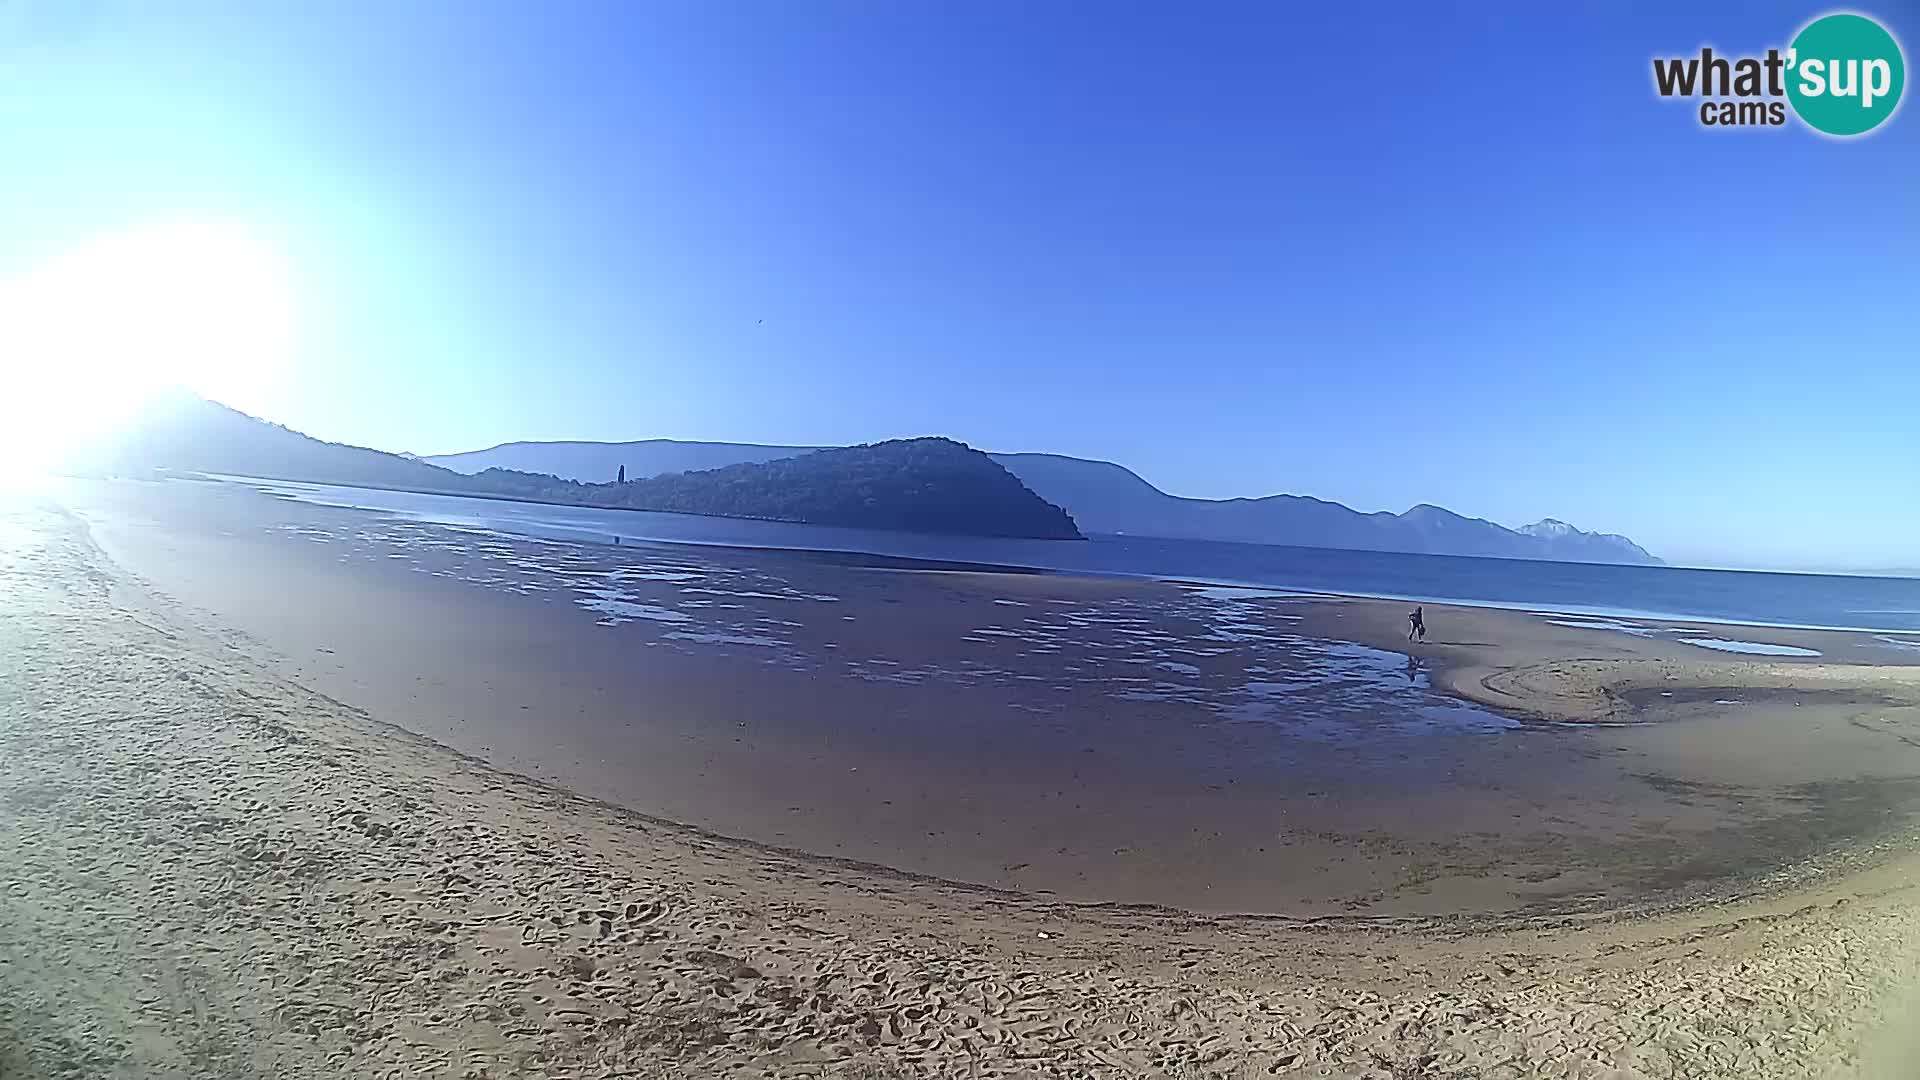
1417, 624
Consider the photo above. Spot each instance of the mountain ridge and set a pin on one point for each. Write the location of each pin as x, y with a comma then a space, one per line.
1107, 497
928, 485
580, 459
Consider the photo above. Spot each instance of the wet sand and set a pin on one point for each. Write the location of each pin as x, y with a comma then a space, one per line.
213, 870
1095, 741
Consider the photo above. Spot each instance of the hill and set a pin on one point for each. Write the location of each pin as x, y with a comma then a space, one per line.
921, 485
1107, 498
185, 433
917, 485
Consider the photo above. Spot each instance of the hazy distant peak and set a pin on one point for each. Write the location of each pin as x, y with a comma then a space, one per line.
597, 462
1427, 514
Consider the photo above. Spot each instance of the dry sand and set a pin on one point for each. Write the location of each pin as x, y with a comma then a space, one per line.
212, 870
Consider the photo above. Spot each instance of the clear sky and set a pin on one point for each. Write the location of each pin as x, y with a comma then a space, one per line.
1384, 255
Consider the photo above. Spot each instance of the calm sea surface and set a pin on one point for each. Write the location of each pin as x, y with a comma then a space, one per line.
1887, 605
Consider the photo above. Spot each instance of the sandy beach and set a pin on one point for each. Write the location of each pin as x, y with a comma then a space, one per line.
292, 806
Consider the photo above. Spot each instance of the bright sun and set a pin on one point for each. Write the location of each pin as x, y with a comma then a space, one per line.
84, 338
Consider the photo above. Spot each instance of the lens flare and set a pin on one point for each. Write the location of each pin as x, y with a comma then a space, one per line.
88, 336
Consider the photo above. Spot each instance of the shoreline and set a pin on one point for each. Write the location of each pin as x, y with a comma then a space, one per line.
306, 893
1869, 855
1155, 797
1543, 608
235, 478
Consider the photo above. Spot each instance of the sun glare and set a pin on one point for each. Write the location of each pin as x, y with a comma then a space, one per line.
87, 336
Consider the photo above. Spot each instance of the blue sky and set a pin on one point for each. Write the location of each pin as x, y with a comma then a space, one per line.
1384, 255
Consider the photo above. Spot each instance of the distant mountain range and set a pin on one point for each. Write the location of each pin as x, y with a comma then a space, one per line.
595, 462
927, 485
1107, 498
920, 485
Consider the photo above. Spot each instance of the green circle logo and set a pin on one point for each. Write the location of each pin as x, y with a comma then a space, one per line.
1845, 74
